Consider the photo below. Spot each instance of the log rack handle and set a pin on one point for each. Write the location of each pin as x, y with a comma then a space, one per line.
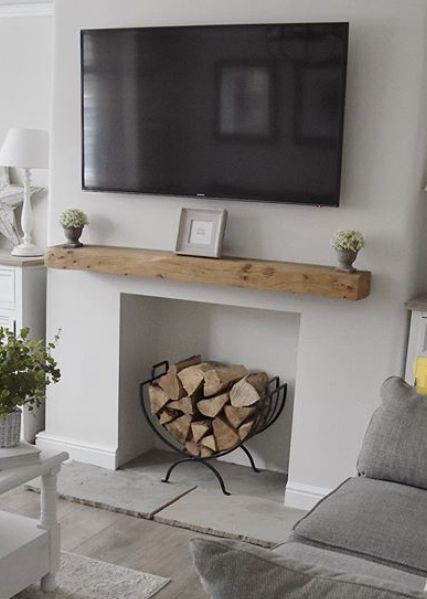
159, 369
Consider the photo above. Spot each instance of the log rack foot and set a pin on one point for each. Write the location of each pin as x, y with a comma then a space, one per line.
204, 463
250, 458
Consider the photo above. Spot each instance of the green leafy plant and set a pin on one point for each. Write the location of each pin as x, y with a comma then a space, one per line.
27, 367
348, 239
73, 217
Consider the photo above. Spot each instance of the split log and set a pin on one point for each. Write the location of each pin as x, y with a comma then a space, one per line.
171, 384
236, 416
212, 407
207, 407
219, 379
184, 405
200, 429
249, 389
158, 398
225, 436
192, 377
193, 448
167, 416
209, 442
191, 361
245, 429
180, 428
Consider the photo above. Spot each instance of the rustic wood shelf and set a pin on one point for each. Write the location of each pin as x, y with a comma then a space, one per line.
247, 273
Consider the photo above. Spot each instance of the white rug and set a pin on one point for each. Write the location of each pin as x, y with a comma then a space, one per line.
84, 578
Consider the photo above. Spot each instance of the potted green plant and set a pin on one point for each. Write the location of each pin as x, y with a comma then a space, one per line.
73, 220
347, 244
27, 367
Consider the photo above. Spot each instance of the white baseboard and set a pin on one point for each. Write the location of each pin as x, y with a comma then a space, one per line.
88, 454
30, 9
303, 497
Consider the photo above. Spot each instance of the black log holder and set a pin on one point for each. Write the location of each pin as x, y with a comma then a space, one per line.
269, 409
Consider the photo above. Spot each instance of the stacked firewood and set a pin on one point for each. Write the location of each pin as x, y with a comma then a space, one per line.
208, 407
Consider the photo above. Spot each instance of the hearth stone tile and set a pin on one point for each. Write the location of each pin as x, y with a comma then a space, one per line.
246, 518
126, 492
192, 500
238, 479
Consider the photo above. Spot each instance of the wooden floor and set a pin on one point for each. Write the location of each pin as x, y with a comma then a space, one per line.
140, 544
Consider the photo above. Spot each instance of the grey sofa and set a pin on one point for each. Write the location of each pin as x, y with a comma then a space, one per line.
367, 539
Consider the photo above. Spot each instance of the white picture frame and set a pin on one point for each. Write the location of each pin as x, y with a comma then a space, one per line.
201, 232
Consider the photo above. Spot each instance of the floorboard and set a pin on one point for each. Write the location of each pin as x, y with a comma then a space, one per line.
124, 540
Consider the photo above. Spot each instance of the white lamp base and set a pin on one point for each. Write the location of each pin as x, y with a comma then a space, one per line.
27, 249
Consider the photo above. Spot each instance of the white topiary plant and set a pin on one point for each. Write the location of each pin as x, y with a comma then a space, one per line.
348, 239
73, 217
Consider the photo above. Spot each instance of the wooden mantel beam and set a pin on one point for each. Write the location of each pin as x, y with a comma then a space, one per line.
246, 273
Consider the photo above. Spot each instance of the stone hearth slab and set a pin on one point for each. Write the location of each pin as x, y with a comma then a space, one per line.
238, 479
246, 518
192, 500
126, 492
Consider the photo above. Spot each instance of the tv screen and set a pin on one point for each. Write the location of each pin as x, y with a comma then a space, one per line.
251, 112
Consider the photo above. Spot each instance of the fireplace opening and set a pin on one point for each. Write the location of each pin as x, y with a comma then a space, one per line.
152, 329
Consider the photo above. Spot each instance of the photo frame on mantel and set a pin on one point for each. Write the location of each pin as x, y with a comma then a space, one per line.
201, 232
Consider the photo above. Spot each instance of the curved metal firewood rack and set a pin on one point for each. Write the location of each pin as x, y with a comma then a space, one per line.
270, 408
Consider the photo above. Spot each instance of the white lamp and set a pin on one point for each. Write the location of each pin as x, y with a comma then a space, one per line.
27, 149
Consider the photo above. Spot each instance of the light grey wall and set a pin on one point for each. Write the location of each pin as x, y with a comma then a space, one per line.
25, 98
345, 349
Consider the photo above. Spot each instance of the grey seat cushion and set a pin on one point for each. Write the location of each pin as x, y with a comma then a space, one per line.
231, 570
379, 520
395, 443
344, 562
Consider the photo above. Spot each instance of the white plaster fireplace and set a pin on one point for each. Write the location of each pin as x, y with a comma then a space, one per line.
121, 326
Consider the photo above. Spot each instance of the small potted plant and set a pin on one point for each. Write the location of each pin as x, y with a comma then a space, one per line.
347, 244
26, 368
73, 220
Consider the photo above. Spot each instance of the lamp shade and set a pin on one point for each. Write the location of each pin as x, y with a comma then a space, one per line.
25, 148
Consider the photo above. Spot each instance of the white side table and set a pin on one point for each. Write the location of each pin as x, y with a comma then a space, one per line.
30, 549
417, 340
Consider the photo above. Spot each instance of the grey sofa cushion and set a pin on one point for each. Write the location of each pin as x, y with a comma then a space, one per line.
379, 520
231, 570
395, 443
345, 562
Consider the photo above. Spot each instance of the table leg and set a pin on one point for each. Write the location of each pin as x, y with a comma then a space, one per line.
49, 521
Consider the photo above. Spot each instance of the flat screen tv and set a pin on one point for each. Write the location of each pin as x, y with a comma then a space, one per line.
251, 112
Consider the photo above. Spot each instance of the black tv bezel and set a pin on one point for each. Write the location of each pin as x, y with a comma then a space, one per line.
200, 195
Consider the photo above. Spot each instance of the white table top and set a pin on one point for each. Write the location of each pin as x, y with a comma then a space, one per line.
6, 259
13, 477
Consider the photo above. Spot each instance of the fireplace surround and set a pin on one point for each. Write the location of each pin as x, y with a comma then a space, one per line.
142, 320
